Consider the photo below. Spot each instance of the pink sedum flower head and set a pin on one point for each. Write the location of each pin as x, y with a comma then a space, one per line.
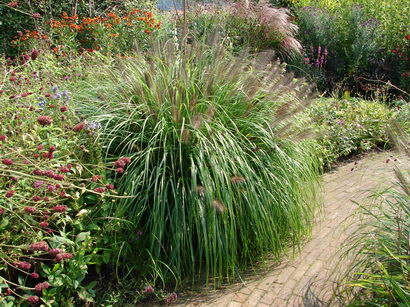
7, 162
63, 256
34, 299
39, 246
60, 208
44, 120
24, 265
41, 286
55, 251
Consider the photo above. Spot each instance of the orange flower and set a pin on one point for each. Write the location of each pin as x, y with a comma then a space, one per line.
108, 26
112, 15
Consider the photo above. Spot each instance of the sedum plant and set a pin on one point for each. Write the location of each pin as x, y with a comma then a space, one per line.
215, 179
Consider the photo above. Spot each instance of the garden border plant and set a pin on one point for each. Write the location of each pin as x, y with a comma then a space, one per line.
217, 183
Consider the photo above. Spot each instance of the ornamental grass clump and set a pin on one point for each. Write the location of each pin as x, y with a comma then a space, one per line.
215, 178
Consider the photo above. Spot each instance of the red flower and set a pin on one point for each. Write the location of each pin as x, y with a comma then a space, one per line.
407, 37
24, 265
60, 208
63, 256
95, 178
63, 109
149, 289
3, 138
12, 4
34, 275
119, 163
36, 198
39, 246
40, 147
79, 127
34, 54
38, 172
7, 162
52, 149
10, 193
99, 190
41, 286
120, 170
36, 156
63, 194
405, 74
30, 210
58, 177
1, 211
55, 251
64, 169
49, 173
109, 186
43, 224
36, 15
44, 120
34, 299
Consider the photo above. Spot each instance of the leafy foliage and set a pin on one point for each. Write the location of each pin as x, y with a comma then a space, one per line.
51, 189
358, 52
18, 16
349, 126
214, 183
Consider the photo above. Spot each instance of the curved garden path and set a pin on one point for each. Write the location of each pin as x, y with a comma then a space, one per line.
305, 278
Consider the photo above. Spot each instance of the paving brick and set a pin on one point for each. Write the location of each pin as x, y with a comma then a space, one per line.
313, 265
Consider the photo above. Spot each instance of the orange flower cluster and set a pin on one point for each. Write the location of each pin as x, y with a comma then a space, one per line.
94, 33
112, 19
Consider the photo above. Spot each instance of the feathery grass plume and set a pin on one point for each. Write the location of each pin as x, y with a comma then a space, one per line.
196, 116
274, 20
253, 24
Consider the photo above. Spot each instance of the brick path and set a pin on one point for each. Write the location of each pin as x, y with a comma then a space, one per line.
307, 275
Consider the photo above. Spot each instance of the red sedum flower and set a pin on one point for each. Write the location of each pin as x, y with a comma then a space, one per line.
34, 299
41, 286
10, 193
39, 246
60, 208
79, 127
7, 162
44, 120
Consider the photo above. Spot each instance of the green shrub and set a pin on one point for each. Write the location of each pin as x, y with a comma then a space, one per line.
394, 16
51, 189
213, 185
349, 126
379, 252
365, 44
110, 34
402, 117
18, 16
